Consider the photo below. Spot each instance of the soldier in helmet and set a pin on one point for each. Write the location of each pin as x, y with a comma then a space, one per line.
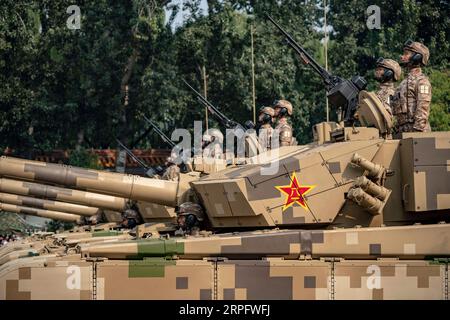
283, 110
130, 219
387, 71
265, 121
172, 172
189, 218
411, 102
96, 219
212, 144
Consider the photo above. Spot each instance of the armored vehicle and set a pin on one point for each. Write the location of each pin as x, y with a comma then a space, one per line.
351, 216
356, 214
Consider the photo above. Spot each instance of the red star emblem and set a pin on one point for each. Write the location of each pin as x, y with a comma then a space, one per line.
294, 193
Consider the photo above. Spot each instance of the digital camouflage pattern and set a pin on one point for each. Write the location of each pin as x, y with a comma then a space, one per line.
190, 277
38, 190
411, 102
48, 204
384, 93
49, 214
392, 243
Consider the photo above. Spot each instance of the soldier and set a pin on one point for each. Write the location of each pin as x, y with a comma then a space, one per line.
130, 219
95, 219
212, 144
411, 102
172, 172
387, 71
189, 218
283, 110
265, 121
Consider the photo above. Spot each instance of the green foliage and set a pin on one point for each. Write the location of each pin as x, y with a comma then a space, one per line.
440, 105
84, 158
57, 85
54, 226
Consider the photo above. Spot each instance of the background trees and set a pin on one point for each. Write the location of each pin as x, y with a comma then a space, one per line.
62, 88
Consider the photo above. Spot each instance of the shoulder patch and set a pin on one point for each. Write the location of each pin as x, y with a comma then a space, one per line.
425, 89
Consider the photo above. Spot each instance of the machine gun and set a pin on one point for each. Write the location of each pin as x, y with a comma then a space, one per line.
166, 139
149, 171
163, 136
220, 117
341, 93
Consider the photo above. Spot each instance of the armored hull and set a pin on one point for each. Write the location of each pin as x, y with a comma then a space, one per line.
373, 225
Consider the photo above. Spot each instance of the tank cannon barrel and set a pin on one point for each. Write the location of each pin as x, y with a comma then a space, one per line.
91, 199
48, 204
116, 184
49, 214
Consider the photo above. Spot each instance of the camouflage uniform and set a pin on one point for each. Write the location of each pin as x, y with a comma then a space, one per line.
411, 102
213, 141
285, 132
391, 72
265, 136
283, 127
266, 130
385, 91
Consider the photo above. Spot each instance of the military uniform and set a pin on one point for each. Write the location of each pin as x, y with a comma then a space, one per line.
411, 105
411, 102
265, 119
285, 132
390, 72
385, 92
265, 136
212, 147
283, 127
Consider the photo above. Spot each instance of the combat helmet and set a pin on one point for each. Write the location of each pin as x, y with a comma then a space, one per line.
188, 208
266, 114
283, 104
213, 134
392, 66
422, 53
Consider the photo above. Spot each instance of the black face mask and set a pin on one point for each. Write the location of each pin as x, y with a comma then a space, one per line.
191, 221
265, 119
131, 223
388, 75
283, 113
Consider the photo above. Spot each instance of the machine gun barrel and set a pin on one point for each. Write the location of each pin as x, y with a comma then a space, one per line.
304, 55
223, 119
131, 154
341, 93
149, 171
165, 138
